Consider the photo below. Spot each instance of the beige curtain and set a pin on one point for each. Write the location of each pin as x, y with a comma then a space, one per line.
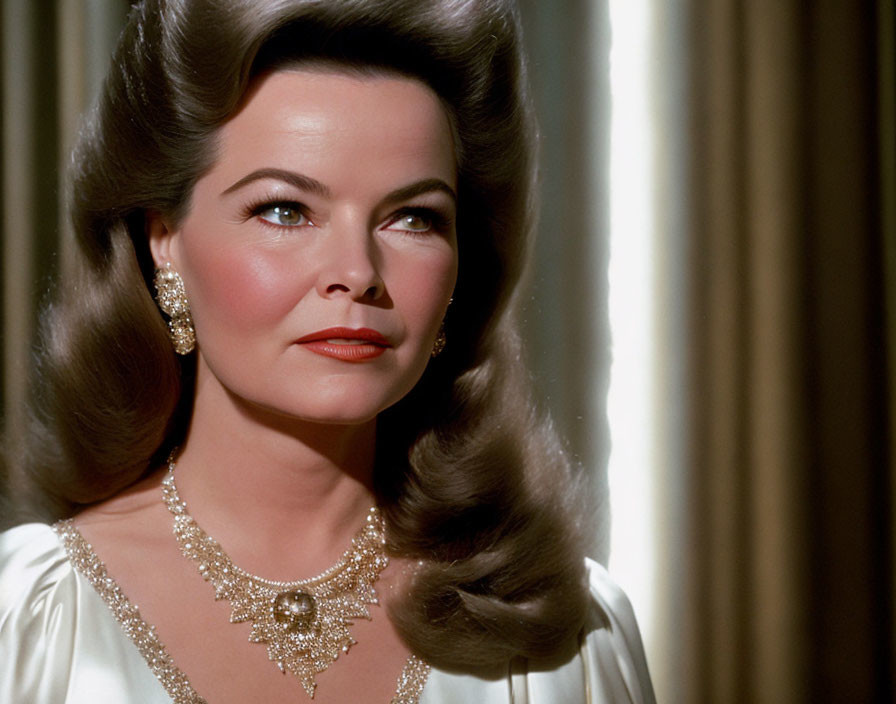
53, 54
787, 565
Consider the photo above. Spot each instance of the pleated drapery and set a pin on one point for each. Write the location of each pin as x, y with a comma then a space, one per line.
787, 564
54, 54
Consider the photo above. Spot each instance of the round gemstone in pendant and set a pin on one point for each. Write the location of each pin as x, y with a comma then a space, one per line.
295, 610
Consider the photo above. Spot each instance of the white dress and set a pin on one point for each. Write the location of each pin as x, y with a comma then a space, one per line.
62, 643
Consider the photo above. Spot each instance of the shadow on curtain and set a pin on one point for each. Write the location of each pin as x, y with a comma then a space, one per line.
53, 57
788, 560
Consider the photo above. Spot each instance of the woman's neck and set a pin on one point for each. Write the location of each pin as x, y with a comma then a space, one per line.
274, 490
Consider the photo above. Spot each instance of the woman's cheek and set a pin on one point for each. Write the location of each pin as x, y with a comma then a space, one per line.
247, 287
430, 281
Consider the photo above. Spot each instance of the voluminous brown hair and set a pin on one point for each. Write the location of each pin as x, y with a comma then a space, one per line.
473, 480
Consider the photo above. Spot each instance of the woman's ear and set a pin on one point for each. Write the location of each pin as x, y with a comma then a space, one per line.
161, 236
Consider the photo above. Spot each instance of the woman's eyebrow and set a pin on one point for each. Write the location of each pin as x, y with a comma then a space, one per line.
305, 183
415, 189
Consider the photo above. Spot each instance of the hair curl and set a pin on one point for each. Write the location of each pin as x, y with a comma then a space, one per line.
473, 480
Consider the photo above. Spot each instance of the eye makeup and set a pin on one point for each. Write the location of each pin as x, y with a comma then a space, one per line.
284, 213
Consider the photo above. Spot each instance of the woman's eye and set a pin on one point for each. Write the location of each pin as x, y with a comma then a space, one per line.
412, 222
283, 214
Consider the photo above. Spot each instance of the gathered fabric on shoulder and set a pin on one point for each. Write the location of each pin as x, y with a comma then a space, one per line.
61, 644
605, 665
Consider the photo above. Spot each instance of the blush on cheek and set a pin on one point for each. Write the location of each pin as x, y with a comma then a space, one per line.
248, 288
424, 294
431, 279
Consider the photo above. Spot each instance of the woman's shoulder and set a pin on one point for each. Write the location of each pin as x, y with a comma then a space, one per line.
611, 637
33, 567
57, 635
604, 664
611, 611
37, 588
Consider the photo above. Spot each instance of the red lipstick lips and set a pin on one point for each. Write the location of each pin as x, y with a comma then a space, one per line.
346, 344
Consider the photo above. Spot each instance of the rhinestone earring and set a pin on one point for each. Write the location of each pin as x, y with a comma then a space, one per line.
172, 299
440, 341
441, 338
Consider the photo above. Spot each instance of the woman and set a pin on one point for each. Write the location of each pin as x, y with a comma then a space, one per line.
331, 203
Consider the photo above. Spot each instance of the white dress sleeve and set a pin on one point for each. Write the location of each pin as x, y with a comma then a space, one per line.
59, 643
612, 652
605, 666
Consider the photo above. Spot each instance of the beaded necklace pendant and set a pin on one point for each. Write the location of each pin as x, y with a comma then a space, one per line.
304, 624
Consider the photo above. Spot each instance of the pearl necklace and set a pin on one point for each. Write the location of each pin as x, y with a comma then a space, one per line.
305, 624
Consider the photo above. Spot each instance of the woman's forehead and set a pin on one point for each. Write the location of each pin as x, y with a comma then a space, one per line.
319, 117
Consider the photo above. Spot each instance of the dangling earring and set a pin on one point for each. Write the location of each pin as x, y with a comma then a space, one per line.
172, 299
441, 338
440, 342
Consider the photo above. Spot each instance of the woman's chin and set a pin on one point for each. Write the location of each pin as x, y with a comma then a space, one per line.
334, 412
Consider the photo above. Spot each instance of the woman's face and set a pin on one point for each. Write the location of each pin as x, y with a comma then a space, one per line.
319, 253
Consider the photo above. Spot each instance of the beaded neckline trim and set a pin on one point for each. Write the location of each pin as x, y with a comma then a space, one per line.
86, 562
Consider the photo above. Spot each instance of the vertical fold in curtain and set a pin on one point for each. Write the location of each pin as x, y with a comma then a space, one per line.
788, 568
29, 188
53, 55
886, 23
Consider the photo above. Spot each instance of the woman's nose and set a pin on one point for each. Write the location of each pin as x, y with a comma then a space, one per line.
351, 265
